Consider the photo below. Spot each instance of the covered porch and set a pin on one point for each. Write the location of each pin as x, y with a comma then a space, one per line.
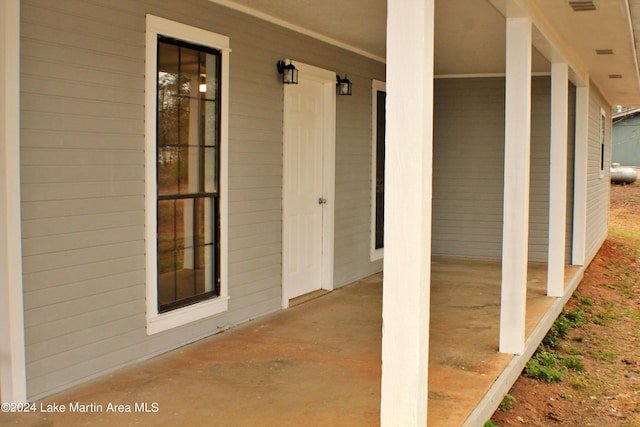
443, 322
319, 362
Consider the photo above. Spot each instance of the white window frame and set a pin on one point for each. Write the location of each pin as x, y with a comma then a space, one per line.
603, 141
157, 322
376, 85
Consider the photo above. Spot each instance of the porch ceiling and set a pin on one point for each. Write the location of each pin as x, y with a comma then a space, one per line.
610, 26
470, 34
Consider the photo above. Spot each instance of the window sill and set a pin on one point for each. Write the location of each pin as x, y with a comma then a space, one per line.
162, 322
377, 254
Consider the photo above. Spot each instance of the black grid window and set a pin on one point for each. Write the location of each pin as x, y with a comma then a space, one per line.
603, 135
380, 137
187, 160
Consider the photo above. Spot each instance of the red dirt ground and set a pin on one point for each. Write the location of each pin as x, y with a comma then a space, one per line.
607, 393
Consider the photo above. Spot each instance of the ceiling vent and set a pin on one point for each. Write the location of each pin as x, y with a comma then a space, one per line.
604, 51
615, 76
582, 5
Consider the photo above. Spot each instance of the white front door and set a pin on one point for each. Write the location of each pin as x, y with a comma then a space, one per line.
309, 138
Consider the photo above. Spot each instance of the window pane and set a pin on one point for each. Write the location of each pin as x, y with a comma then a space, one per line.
185, 227
205, 210
188, 122
210, 123
167, 262
602, 140
210, 170
166, 288
185, 283
209, 269
209, 106
167, 236
168, 170
189, 72
189, 169
205, 243
168, 101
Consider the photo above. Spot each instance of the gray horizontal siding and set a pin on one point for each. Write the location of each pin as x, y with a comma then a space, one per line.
597, 186
353, 184
82, 175
469, 168
540, 169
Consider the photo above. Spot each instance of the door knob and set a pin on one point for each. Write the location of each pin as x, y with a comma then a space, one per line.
322, 200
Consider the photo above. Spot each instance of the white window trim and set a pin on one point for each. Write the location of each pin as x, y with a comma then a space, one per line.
376, 85
157, 322
602, 139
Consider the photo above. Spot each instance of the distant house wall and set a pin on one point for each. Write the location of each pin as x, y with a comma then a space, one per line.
626, 141
469, 168
82, 160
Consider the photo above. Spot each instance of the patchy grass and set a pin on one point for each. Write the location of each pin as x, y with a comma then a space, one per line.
568, 320
507, 402
587, 370
545, 366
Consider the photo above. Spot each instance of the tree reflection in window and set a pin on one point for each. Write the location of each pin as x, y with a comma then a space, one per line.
188, 135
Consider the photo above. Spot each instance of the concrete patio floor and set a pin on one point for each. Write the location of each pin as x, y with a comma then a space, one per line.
316, 363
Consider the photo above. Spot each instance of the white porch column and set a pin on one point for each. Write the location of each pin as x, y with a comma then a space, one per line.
516, 185
558, 178
12, 356
580, 176
407, 234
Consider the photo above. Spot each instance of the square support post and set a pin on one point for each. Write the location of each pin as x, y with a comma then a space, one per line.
12, 353
515, 234
580, 176
407, 231
558, 178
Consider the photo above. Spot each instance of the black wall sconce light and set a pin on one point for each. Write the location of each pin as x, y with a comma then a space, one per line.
343, 85
289, 72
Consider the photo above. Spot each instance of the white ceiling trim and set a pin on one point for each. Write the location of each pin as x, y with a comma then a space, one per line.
291, 26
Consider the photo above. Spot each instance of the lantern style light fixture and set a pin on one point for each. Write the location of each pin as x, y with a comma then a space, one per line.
288, 70
343, 85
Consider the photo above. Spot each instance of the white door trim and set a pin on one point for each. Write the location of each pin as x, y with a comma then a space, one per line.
12, 362
328, 80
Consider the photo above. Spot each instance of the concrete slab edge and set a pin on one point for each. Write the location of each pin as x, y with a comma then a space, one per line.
491, 400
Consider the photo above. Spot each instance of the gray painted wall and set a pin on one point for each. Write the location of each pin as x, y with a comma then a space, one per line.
82, 159
598, 185
469, 168
626, 141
